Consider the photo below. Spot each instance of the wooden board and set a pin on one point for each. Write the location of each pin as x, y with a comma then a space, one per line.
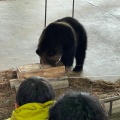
57, 84
37, 69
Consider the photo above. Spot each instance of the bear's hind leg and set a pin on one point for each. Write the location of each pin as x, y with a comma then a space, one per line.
80, 56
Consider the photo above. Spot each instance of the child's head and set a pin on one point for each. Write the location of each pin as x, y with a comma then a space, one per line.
34, 89
78, 106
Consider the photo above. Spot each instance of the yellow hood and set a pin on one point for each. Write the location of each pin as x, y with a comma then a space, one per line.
32, 111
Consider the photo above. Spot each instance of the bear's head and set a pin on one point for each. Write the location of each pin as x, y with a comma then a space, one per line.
50, 56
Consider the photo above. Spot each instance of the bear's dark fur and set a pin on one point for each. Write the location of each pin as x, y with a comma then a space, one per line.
64, 40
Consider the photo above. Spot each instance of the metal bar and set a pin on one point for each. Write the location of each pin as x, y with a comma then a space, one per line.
73, 9
110, 99
110, 108
45, 12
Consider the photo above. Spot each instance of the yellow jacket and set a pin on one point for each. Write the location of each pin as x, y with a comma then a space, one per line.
32, 111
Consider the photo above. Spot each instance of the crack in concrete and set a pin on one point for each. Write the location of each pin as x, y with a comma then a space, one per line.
115, 16
91, 4
102, 10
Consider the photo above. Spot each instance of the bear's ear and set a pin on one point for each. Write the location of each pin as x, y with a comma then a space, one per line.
37, 51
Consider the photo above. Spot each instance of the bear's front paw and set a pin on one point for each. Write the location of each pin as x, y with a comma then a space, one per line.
78, 68
67, 69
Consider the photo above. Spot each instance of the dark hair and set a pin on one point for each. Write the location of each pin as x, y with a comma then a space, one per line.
34, 89
77, 106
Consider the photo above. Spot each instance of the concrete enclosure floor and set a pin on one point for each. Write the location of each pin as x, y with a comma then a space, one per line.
22, 21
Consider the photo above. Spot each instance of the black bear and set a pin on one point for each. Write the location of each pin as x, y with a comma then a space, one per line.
63, 40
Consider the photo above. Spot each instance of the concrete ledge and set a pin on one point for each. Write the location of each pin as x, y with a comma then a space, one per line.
108, 78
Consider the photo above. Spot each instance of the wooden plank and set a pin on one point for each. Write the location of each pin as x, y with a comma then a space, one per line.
57, 84
17, 86
37, 70
13, 82
60, 84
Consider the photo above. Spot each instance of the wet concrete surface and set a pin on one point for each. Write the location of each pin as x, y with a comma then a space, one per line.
22, 21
